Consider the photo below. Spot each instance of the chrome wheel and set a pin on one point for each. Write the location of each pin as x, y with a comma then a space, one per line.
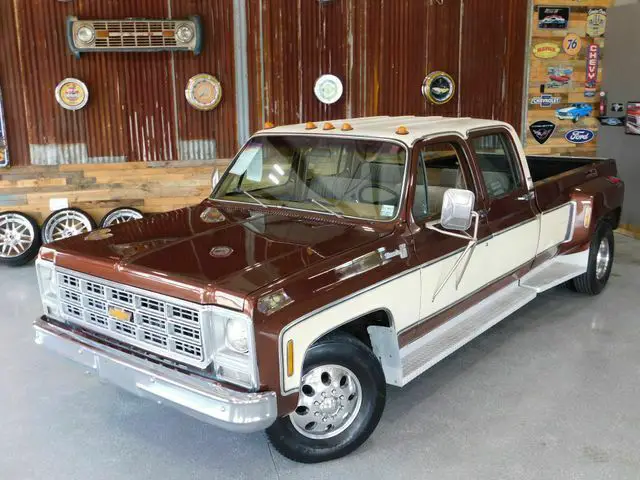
121, 215
16, 235
603, 258
65, 224
330, 399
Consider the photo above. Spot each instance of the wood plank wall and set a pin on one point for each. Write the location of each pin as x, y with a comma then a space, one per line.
148, 186
573, 92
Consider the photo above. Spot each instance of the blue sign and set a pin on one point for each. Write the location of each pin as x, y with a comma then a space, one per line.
580, 135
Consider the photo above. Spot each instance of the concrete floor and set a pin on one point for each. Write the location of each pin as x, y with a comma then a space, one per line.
553, 392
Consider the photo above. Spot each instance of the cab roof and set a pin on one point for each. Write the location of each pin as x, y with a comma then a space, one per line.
385, 127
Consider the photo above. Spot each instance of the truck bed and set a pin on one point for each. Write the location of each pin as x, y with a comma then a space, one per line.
543, 167
556, 178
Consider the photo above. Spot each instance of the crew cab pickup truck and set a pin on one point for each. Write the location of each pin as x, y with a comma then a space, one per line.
330, 261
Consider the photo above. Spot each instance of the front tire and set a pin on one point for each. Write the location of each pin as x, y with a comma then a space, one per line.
600, 262
342, 396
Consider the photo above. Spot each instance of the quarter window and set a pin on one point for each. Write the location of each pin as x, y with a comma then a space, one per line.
497, 161
438, 170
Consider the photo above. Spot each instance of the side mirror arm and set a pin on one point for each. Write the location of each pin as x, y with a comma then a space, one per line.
466, 254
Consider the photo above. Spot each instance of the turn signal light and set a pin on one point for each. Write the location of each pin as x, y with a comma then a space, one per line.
268, 125
402, 130
310, 126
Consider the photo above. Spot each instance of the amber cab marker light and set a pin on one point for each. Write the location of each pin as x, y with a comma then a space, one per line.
328, 126
310, 126
346, 127
268, 125
402, 130
290, 358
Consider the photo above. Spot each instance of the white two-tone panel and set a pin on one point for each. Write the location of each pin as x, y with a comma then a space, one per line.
490, 260
400, 296
556, 226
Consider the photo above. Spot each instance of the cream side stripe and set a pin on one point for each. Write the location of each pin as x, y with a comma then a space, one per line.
554, 225
401, 297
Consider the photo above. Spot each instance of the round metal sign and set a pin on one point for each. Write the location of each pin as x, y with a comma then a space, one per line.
203, 92
438, 87
72, 94
328, 89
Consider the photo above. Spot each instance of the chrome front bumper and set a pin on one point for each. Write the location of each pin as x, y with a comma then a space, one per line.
207, 401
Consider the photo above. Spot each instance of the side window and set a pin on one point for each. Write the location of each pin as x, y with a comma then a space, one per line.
438, 170
498, 163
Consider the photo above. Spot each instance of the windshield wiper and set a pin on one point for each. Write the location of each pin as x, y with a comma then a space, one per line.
252, 197
313, 200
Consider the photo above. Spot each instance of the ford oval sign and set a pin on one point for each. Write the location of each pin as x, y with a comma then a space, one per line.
580, 136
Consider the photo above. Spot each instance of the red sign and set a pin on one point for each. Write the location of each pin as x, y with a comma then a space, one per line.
593, 59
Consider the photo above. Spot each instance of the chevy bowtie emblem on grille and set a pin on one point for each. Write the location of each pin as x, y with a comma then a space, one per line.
120, 314
542, 131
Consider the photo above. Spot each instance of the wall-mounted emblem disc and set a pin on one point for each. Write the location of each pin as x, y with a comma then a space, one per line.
72, 94
203, 92
328, 89
438, 88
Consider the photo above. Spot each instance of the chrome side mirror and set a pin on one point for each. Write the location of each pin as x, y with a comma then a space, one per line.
457, 209
215, 178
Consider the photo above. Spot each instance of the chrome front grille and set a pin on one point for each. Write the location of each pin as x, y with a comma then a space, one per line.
153, 322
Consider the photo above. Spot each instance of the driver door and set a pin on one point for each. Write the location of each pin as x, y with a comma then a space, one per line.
441, 164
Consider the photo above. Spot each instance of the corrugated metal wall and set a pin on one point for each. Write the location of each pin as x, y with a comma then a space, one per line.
381, 49
137, 109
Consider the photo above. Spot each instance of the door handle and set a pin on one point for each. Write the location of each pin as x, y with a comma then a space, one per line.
527, 197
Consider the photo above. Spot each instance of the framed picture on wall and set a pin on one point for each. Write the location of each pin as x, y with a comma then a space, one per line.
633, 118
556, 18
4, 152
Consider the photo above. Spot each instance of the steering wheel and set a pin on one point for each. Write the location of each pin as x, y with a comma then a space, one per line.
396, 195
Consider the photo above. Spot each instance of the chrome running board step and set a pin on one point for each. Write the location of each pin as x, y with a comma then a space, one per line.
555, 272
425, 352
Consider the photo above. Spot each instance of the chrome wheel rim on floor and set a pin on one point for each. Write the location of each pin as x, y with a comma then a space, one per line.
16, 235
121, 215
602, 259
330, 399
65, 224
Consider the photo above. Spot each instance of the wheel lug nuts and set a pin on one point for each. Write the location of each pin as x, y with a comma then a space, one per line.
341, 397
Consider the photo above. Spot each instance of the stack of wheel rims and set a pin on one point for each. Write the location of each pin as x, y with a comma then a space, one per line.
21, 237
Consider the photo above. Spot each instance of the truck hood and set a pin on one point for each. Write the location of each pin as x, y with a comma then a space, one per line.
209, 252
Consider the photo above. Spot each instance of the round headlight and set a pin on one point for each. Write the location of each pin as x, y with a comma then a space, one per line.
237, 335
184, 33
86, 34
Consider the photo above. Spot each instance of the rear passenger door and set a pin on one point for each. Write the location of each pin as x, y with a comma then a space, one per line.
510, 210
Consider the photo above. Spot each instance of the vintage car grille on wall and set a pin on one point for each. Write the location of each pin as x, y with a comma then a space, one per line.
133, 35
155, 323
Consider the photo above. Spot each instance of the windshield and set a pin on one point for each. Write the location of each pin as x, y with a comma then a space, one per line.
334, 176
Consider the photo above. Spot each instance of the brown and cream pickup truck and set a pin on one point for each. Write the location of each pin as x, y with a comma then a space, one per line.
331, 260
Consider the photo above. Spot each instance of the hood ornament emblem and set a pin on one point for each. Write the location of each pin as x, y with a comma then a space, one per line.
221, 252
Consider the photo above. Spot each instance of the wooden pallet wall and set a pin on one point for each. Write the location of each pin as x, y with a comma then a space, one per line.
148, 186
571, 93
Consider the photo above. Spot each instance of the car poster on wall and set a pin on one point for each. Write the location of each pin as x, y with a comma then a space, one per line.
4, 152
553, 17
633, 118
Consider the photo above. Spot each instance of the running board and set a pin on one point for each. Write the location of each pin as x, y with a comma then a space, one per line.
424, 353
555, 272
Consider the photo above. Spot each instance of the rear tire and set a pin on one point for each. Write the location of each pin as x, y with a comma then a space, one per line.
600, 262
342, 396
